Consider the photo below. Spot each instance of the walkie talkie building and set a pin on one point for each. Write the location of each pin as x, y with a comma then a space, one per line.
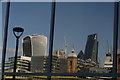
34, 45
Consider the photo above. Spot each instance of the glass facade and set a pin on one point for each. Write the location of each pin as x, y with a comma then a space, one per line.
34, 45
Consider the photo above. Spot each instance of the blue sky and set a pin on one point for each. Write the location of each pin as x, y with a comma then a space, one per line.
75, 21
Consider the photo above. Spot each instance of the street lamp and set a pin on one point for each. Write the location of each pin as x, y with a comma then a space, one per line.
17, 31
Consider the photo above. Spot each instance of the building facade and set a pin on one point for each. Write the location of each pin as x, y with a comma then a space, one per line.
72, 62
108, 62
80, 55
62, 65
118, 61
34, 45
60, 53
40, 64
23, 64
91, 49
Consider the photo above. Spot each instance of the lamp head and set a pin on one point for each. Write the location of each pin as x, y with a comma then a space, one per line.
18, 31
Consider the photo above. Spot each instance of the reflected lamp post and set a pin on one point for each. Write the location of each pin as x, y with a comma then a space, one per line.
17, 31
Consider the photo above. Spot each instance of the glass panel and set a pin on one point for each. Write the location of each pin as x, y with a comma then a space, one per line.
118, 52
83, 37
1, 34
0, 31
34, 18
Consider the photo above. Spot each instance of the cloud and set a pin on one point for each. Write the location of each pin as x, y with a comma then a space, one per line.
11, 50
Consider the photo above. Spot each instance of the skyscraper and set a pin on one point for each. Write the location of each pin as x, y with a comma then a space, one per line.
34, 45
80, 55
91, 50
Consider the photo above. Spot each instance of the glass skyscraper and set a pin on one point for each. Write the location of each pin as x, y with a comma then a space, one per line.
91, 50
34, 45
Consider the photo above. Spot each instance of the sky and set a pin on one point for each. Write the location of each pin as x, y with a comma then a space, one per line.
74, 21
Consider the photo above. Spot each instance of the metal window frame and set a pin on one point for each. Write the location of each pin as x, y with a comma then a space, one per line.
114, 74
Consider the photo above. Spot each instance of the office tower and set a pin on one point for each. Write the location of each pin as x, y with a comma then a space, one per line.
40, 64
34, 45
72, 62
62, 65
62, 60
23, 64
108, 62
91, 50
60, 53
80, 55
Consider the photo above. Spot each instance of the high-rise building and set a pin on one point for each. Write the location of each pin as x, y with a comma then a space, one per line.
62, 65
34, 45
80, 55
40, 64
91, 50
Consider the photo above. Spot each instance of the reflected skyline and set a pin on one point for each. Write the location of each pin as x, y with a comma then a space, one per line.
72, 21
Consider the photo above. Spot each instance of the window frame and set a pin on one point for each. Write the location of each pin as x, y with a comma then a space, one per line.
114, 74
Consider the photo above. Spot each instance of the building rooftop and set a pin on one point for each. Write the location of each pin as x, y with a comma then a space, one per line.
72, 54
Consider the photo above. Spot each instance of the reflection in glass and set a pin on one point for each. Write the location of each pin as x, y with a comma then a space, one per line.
33, 49
118, 50
82, 27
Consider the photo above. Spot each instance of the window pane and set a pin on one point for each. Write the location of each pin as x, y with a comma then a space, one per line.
1, 36
34, 18
83, 39
118, 52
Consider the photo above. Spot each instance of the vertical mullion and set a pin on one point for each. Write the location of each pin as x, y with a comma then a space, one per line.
115, 38
5, 37
51, 38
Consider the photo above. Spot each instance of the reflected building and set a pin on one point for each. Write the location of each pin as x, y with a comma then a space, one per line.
62, 60
118, 61
91, 50
34, 45
72, 62
80, 55
108, 62
23, 64
60, 53
40, 64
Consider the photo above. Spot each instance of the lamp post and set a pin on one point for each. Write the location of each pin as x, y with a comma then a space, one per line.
17, 31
